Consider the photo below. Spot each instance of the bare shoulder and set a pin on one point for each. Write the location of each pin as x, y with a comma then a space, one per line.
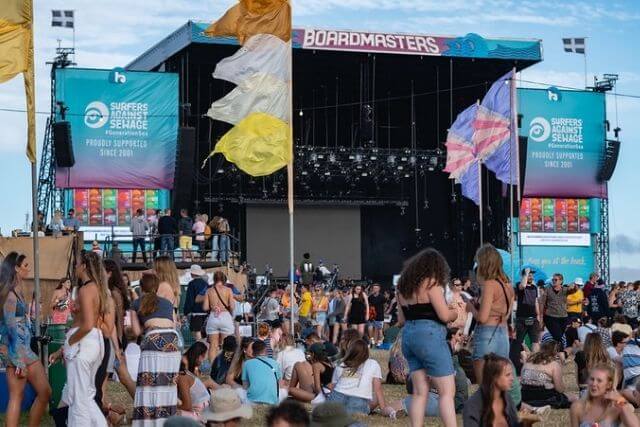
577, 407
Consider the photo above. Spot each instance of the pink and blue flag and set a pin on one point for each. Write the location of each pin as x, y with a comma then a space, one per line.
494, 139
462, 163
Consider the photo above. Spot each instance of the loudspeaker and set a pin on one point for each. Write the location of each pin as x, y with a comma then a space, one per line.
62, 145
185, 169
611, 152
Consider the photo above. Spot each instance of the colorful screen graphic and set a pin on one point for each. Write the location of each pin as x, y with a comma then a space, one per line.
115, 207
555, 215
124, 127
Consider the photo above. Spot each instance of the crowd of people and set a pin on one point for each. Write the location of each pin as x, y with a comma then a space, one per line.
159, 233
442, 334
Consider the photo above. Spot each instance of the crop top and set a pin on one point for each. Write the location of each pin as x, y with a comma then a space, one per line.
163, 311
420, 311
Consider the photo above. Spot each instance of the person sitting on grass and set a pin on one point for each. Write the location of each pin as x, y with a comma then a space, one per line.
222, 362
602, 405
193, 392
261, 376
311, 377
288, 356
357, 381
289, 414
541, 379
243, 354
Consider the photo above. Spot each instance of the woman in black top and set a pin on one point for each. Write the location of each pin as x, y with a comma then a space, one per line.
310, 378
357, 312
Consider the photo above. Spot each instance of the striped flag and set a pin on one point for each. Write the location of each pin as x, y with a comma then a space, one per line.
62, 18
574, 45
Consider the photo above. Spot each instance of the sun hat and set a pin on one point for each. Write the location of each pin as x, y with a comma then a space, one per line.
330, 414
196, 270
578, 281
226, 405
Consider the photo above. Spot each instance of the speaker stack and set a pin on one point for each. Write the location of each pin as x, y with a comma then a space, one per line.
62, 144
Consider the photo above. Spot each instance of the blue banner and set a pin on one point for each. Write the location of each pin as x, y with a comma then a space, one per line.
124, 128
566, 131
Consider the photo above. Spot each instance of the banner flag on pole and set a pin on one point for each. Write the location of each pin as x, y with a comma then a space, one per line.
494, 138
62, 18
16, 56
470, 184
574, 45
462, 163
259, 107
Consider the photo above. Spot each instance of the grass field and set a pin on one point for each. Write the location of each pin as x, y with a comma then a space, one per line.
556, 418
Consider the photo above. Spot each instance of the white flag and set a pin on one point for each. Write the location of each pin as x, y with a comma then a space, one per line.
574, 45
62, 18
263, 53
261, 93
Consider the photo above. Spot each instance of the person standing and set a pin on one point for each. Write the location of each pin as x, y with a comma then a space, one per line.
198, 229
376, 315
597, 303
320, 308
357, 311
306, 304
57, 224
218, 301
71, 223
84, 347
185, 227
270, 308
192, 309
425, 314
528, 315
575, 300
460, 305
337, 306
224, 244
554, 307
591, 283
23, 365
156, 396
139, 227
629, 300
307, 270
494, 311
167, 229
153, 231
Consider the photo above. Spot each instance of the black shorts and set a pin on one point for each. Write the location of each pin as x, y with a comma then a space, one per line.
197, 322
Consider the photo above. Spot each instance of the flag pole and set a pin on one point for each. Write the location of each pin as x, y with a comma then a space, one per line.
292, 300
514, 126
36, 246
480, 200
585, 63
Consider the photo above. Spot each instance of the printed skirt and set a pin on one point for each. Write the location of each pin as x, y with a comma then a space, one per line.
156, 396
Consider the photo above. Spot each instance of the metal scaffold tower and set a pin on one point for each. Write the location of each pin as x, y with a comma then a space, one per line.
49, 197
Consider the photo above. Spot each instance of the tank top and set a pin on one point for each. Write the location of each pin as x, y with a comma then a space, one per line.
198, 391
357, 310
420, 311
327, 375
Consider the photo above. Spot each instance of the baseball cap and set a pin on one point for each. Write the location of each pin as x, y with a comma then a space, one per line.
578, 281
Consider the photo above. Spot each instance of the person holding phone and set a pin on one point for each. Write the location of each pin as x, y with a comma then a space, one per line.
23, 364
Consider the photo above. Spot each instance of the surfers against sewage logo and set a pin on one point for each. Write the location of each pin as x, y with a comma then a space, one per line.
560, 132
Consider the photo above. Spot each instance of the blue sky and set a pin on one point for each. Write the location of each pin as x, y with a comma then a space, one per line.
116, 32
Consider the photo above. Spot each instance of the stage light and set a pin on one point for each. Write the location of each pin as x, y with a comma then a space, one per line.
332, 157
314, 157
301, 113
406, 175
373, 157
400, 167
365, 174
433, 161
352, 157
327, 173
391, 159
412, 160
320, 156
431, 168
358, 157
403, 159
220, 171
304, 173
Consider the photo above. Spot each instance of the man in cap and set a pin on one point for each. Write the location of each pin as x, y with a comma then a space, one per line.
194, 310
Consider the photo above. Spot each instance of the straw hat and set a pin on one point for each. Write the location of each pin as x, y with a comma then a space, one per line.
226, 405
196, 270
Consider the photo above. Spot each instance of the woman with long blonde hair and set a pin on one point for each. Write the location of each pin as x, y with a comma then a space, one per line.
167, 273
603, 405
493, 311
84, 347
593, 353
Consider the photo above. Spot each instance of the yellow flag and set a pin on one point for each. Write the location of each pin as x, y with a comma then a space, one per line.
259, 145
16, 56
251, 17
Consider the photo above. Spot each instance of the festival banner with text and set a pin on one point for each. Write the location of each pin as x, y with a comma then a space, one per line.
565, 148
124, 128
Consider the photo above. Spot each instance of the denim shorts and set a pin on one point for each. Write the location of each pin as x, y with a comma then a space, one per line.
320, 318
489, 339
353, 404
424, 345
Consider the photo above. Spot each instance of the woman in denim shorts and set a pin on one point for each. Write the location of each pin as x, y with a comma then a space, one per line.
425, 314
493, 312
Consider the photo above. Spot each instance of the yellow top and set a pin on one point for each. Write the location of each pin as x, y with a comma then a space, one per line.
305, 304
574, 302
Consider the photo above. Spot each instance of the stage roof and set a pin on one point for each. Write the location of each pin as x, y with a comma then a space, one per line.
526, 51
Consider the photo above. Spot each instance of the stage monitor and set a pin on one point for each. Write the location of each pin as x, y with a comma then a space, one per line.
396, 279
124, 126
261, 280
